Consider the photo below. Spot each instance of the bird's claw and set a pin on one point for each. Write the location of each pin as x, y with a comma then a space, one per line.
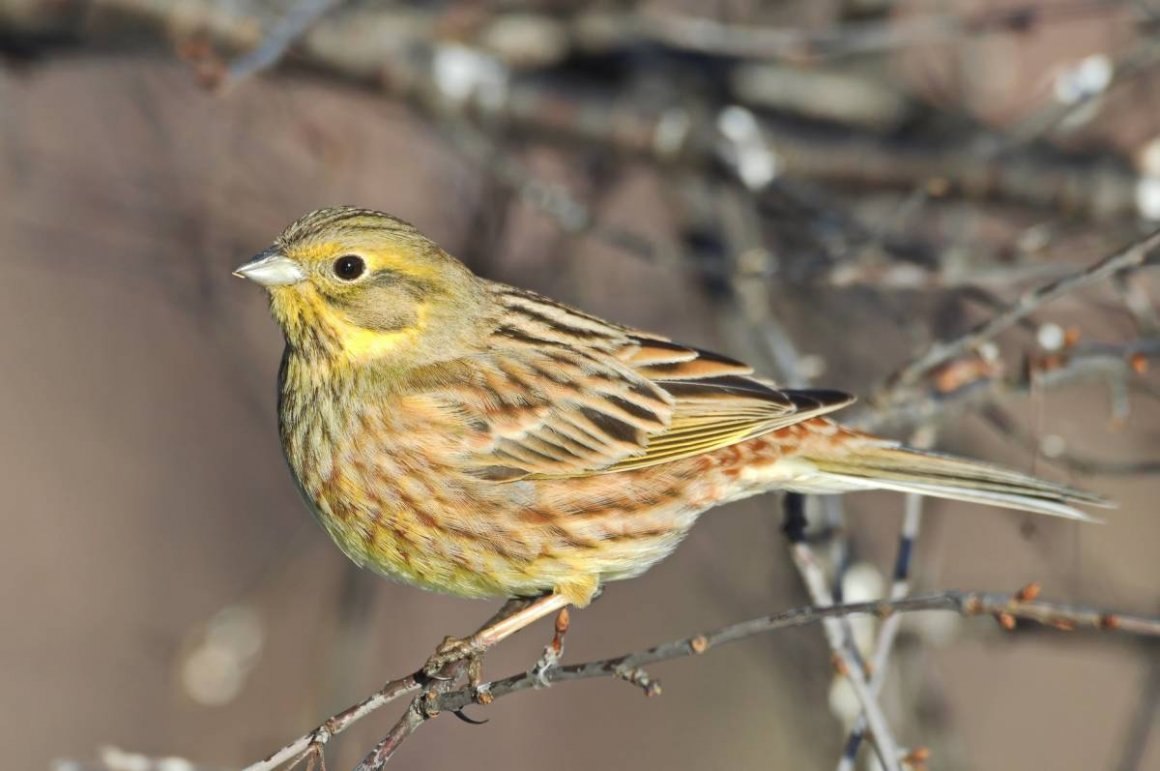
452, 650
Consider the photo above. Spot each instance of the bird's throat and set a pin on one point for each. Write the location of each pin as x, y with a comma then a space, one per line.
320, 331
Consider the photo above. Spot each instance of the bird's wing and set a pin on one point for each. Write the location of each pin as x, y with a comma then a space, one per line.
560, 393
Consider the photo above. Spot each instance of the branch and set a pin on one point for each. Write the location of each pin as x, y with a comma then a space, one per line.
1114, 364
442, 697
1008, 426
1007, 608
884, 644
406, 51
288, 29
314, 741
846, 656
940, 353
707, 36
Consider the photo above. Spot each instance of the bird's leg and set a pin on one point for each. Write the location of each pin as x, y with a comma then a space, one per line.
554, 650
503, 625
449, 644
512, 605
475, 662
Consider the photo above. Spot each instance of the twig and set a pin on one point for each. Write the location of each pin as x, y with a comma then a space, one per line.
841, 644
571, 215
1107, 363
707, 36
1127, 67
1145, 718
887, 633
741, 226
405, 63
288, 29
421, 709
316, 740
1084, 464
940, 353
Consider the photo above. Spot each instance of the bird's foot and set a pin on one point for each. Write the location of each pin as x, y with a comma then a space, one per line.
554, 650
452, 651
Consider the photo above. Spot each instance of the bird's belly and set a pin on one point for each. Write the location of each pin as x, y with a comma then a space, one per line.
416, 543
486, 539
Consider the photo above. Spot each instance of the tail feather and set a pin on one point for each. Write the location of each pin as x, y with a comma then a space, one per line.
892, 467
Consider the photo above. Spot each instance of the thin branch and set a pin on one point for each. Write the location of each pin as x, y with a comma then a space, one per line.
1113, 364
940, 353
1007, 608
1145, 718
407, 64
288, 29
571, 215
316, 740
708, 36
741, 226
1084, 464
888, 632
841, 644
418, 712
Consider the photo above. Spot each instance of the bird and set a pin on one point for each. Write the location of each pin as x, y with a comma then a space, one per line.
477, 439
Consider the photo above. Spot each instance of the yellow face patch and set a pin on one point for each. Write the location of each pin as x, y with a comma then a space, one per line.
364, 344
359, 344
303, 308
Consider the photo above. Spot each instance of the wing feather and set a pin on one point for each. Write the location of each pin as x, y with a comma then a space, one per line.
561, 393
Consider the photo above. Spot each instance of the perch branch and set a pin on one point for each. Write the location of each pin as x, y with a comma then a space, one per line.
1006, 608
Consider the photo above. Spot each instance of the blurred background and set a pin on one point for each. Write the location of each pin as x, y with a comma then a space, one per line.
823, 187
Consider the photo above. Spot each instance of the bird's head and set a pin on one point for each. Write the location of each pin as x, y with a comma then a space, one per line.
361, 285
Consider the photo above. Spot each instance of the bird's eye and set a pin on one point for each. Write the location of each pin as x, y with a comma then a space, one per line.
349, 267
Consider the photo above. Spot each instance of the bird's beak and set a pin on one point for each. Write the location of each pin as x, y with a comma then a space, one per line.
272, 268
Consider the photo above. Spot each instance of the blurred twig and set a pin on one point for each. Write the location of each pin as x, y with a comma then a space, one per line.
884, 644
1112, 365
289, 28
448, 64
940, 353
1010, 427
706, 35
846, 656
1145, 719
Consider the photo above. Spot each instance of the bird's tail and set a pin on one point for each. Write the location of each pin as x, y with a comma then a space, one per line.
880, 466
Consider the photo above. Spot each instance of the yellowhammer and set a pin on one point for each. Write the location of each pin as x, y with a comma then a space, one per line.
477, 439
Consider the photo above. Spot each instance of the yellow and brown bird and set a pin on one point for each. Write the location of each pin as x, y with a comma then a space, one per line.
481, 440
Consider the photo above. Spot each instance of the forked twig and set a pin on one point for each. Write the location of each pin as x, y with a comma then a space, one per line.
884, 644
939, 353
841, 643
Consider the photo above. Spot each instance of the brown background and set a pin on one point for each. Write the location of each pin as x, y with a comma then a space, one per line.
145, 489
